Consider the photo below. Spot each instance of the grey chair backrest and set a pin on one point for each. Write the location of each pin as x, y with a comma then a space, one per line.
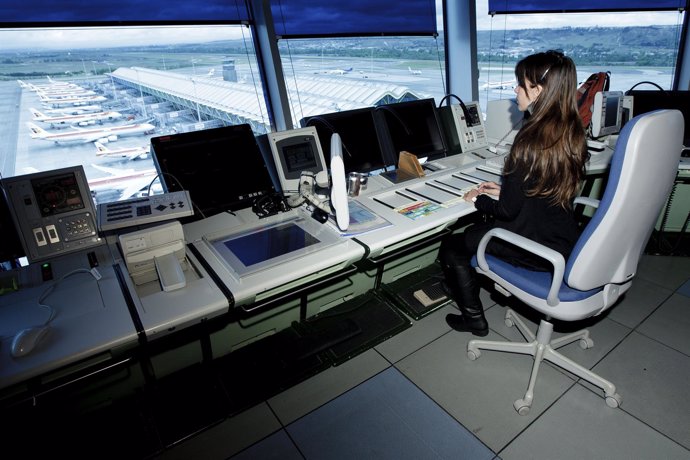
643, 167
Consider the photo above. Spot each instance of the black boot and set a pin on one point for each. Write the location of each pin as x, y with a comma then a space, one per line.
462, 284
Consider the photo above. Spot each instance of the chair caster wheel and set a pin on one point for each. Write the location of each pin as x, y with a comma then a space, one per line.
586, 343
521, 407
473, 355
614, 401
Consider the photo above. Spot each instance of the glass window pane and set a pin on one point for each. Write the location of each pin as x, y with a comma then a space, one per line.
634, 47
96, 96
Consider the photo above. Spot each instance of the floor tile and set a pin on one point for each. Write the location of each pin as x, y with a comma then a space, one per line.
421, 333
385, 417
325, 386
638, 302
684, 289
228, 437
670, 324
480, 394
670, 272
278, 446
579, 425
653, 382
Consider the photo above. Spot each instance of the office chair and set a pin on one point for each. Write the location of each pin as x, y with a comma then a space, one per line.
605, 258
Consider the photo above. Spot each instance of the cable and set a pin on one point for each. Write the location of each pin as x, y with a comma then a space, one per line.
642, 83
93, 272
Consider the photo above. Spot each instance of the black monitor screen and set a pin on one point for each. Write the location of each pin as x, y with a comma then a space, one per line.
222, 168
413, 126
648, 100
11, 247
357, 129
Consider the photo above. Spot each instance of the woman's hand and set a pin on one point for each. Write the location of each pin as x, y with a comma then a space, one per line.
469, 196
490, 188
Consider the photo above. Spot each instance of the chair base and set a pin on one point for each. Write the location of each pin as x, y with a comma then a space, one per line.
541, 347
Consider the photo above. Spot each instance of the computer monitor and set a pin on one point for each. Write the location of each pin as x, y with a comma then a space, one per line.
411, 126
221, 168
648, 100
11, 249
358, 133
607, 113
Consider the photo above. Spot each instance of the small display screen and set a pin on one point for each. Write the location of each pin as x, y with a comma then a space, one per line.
57, 194
269, 243
299, 157
611, 114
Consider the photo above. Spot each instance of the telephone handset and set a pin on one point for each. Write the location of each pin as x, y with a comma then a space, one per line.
469, 125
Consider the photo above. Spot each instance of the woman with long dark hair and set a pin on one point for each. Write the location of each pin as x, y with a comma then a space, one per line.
541, 177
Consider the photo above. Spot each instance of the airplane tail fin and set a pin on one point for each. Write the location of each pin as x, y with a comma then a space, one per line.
36, 131
36, 114
101, 149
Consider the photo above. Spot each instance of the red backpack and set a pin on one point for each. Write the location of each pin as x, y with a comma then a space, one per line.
585, 94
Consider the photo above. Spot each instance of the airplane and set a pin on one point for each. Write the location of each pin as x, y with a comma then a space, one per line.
414, 72
339, 71
80, 119
76, 100
508, 84
121, 184
131, 153
76, 110
90, 135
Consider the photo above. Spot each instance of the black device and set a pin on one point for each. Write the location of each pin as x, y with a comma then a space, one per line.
648, 100
222, 168
411, 126
11, 247
359, 135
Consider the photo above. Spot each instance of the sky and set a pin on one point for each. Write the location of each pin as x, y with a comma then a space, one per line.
89, 38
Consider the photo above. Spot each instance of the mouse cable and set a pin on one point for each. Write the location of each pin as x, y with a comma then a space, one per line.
93, 272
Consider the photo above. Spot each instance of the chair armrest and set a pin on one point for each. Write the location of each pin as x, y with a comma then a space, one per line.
554, 257
594, 203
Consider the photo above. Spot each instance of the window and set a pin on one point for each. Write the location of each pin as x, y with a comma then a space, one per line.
634, 46
95, 96
366, 65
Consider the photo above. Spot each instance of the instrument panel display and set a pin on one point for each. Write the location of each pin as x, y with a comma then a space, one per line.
57, 194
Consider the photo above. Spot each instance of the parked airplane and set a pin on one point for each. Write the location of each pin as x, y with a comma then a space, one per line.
80, 119
131, 153
90, 135
414, 72
121, 184
76, 110
76, 100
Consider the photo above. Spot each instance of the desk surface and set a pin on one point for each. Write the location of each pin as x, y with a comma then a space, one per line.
91, 318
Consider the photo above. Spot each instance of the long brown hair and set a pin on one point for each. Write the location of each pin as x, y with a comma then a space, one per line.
550, 149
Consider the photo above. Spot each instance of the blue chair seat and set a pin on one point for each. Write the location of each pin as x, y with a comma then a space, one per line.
533, 282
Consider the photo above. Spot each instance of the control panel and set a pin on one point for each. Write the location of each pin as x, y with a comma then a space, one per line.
53, 211
469, 125
144, 210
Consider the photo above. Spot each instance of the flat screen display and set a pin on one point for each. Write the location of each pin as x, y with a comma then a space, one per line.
270, 243
414, 127
274, 245
357, 129
222, 168
299, 157
57, 194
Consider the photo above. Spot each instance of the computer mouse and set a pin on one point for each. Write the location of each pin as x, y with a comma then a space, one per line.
27, 339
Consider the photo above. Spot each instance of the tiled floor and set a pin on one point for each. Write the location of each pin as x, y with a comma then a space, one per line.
417, 395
